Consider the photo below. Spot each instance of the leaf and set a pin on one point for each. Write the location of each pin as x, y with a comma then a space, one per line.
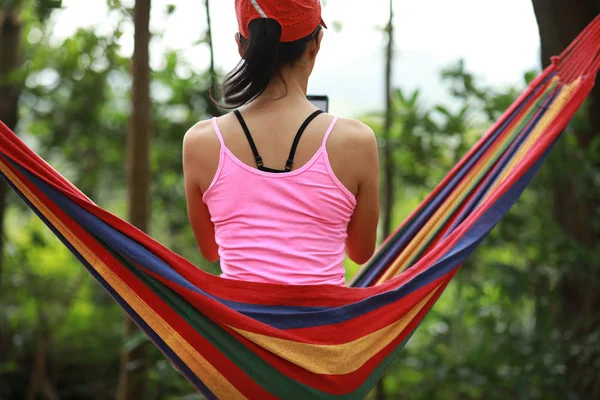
443, 110
530, 76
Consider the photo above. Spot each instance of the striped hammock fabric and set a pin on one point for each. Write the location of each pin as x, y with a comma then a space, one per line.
235, 340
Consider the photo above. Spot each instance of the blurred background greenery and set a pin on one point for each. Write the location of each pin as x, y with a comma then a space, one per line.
521, 320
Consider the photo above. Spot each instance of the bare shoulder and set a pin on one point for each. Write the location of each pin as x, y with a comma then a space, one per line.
201, 133
355, 137
355, 131
201, 142
201, 148
352, 151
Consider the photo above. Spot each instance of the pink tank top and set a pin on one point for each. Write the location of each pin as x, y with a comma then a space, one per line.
285, 228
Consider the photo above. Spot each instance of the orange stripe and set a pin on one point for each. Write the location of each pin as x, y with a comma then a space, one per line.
338, 359
217, 383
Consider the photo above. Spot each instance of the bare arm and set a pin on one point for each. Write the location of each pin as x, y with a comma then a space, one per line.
362, 229
198, 167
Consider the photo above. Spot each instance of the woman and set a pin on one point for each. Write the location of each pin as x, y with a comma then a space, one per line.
278, 190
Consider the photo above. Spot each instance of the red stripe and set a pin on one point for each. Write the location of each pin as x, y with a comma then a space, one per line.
225, 366
247, 292
251, 292
526, 108
511, 109
349, 329
585, 47
331, 334
343, 384
553, 130
492, 150
580, 38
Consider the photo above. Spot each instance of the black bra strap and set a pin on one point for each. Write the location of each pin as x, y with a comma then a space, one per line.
257, 156
290, 162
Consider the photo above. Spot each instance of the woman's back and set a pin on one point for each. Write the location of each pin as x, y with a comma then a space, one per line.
290, 226
280, 227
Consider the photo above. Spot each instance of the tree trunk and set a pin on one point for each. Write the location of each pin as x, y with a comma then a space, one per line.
39, 381
560, 21
575, 209
212, 107
10, 44
134, 362
388, 154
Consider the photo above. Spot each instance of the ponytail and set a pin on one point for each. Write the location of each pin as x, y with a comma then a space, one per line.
263, 58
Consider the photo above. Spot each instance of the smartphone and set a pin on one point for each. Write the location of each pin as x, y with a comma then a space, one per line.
319, 101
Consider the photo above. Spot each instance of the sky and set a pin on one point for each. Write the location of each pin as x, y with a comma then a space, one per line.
498, 40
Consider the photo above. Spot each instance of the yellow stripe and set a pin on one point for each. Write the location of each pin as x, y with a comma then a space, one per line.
335, 359
217, 383
428, 230
401, 262
549, 116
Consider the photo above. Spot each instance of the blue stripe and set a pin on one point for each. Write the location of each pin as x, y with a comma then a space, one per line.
138, 254
504, 161
451, 260
399, 243
288, 317
173, 358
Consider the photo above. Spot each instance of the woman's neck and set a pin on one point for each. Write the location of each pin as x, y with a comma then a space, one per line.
295, 86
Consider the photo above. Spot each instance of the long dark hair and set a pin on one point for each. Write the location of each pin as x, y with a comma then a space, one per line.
263, 58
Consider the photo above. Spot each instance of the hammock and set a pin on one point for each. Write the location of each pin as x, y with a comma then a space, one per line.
235, 339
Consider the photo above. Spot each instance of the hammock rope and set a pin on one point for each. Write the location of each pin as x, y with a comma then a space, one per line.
235, 339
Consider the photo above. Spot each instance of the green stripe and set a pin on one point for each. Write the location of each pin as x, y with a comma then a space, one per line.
543, 96
533, 109
255, 367
386, 248
269, 378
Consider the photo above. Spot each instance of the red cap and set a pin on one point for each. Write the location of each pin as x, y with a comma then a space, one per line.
298, 18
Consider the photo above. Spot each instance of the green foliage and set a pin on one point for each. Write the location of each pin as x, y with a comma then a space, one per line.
44, 8
74, 111
496, 333
506, 328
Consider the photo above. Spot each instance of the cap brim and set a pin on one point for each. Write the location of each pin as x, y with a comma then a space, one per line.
323, 24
